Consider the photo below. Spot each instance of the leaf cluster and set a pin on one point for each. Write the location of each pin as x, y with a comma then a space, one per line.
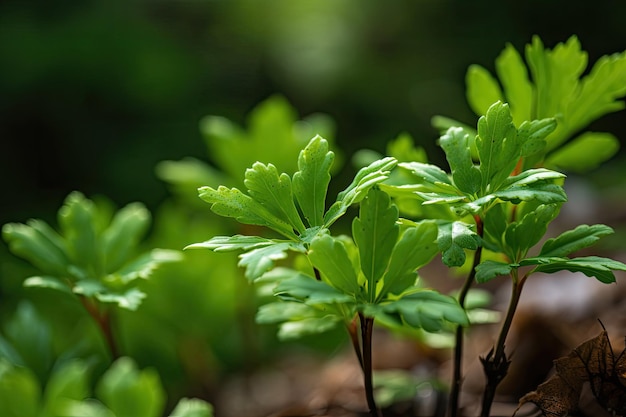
123, 391
553, 83
486, 189
293, 207
94, 254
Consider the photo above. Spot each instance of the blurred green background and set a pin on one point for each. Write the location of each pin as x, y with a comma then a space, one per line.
95, 93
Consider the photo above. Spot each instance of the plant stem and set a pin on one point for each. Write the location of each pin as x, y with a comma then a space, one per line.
496, 364
354, 338
367, 326
457, 377
103, 319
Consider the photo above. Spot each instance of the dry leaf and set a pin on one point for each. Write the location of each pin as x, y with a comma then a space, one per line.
593, 362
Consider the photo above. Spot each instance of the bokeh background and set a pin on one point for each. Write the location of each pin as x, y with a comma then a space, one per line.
93, 94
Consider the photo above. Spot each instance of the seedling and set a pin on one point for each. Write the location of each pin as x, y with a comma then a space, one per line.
93, 258
347, 281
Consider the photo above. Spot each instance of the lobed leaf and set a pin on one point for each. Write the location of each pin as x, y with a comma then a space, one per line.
453, 238
367, 177
145, 264
259, 260
585, 152
592, 266
230, 202
375, 232
488, 270
48, 282
518, 89
28, 242
274, 192
466, 176
415, 248
230, 243
130, 392
77, 219
330, 257
428, 310
310, 291
123, 234
310, 183
498, 146
482, 89
520, 236
574, 240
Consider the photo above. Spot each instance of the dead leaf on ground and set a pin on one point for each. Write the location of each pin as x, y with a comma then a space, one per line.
592, 362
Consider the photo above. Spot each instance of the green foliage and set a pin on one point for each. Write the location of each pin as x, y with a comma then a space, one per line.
93, 255
553, 86
375, 274
123, 390
300, 202
233, 149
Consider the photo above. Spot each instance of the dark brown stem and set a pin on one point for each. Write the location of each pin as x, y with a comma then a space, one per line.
354, 338
457, 377
103, 319
496, 364
367, 326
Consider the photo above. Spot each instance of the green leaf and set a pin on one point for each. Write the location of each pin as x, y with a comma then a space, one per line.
466, 176
192, 407
533, 135
555, 73
85, 408
538, 191
19, 391
531, 176
231, 243
375, 232
330, 256
453, 238
70, 382
415, 248
573, 240
592, 266
123, 234
77, 219
403, 149
130, 299
274, 192
310, 183
230, 202
599, 91
585, 152
144, 265
129, 392
524, 234
48, 282
494, 225
434, 178
428, 310
482, 89
281, 311
31, 244
488, 270
498, 146
310, 291
311, 326
517, 87
260, 260
367, 177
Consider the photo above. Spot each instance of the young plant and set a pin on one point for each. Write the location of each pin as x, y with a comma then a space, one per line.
93, 257
510, 200
348, 281
122, 391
